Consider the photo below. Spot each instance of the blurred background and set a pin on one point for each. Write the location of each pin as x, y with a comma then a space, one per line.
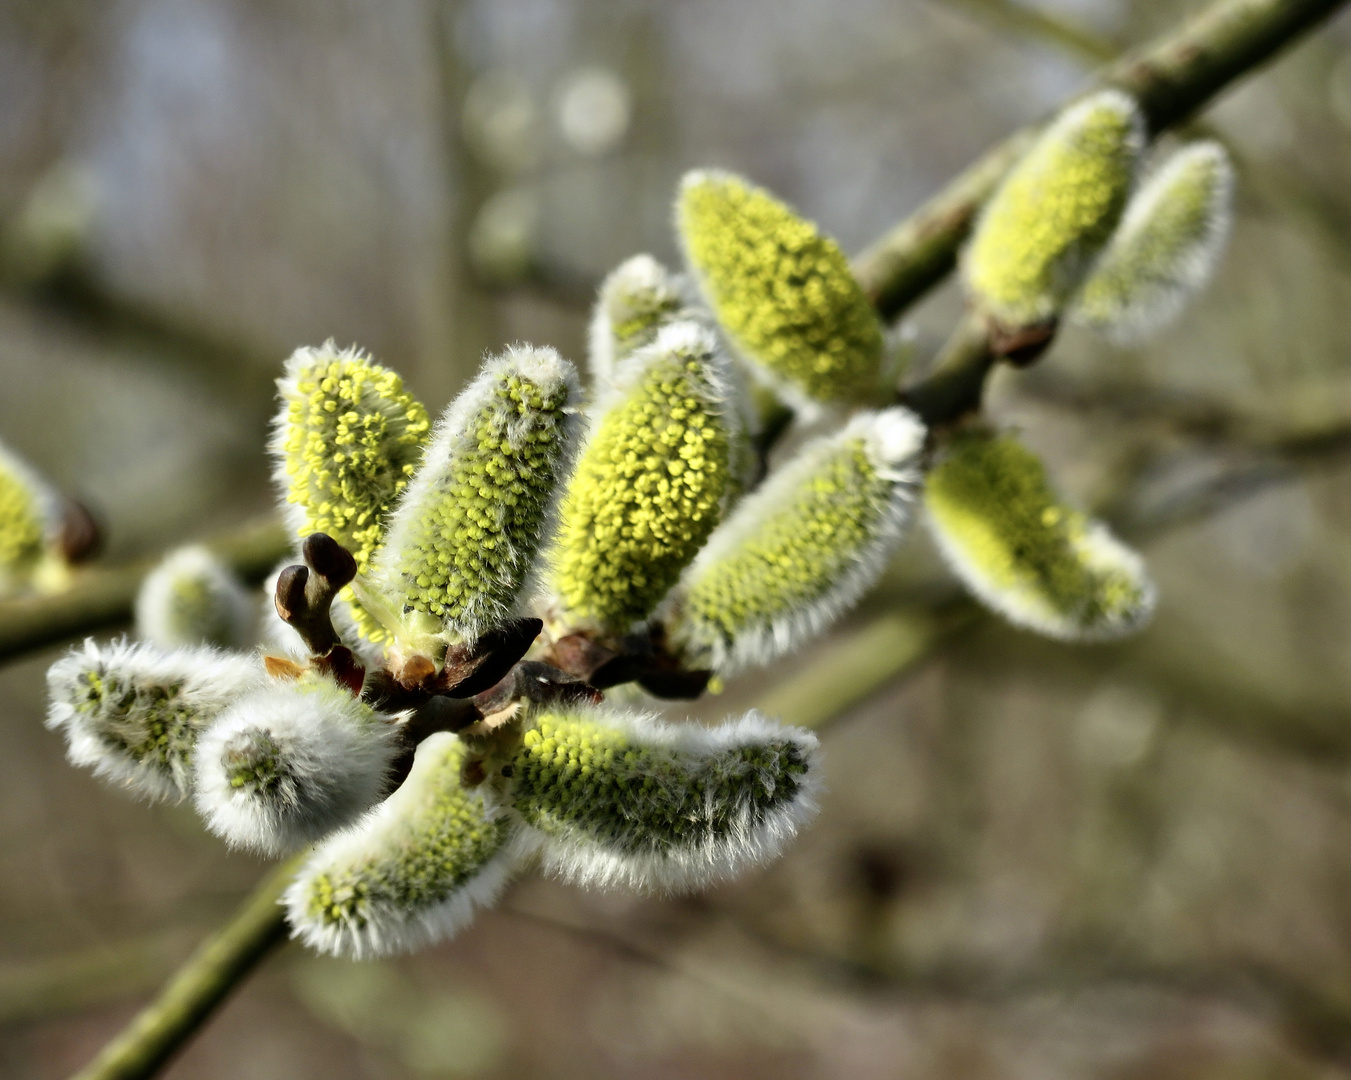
1033, 860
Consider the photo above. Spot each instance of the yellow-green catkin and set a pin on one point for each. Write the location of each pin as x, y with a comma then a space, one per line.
412, 872
622, 799
463, 538
346, 441
27, 511
1023, 552
801, 550
634, 302
1166, 248
1040, 232
651, 483
781, 290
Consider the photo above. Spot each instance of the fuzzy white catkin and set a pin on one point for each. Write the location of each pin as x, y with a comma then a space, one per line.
290, 763
1166, 248
134, 712
659, 468
801, 550
410, 873
192, 598
615, 799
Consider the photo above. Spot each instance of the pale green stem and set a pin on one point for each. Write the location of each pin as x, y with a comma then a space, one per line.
201, 984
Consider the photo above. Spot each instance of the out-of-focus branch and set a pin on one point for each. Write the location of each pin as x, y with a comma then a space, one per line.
100, 597
95, 975
1171, 78
857, 663
1042, 26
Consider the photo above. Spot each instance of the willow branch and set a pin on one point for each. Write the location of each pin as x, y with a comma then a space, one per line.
100, 597
1171, 78
853, 667
164, 1025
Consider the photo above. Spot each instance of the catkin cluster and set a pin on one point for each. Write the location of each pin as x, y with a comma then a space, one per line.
407, 726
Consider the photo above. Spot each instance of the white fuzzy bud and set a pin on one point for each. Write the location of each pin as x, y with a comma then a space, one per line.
1022, 551
638, 297
30, 520
192, 598
290, 763
463, 538
134, 712
801, 550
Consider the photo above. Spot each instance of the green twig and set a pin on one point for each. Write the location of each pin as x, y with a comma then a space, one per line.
1171, 78
847, 671
956, 383
201, 984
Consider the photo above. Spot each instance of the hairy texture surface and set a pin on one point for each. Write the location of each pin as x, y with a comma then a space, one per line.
802, 549
634, 301
1041, 230
346, 442
1037, 562
623, 800
782, 291
464, 535
192, 598
652, 481
409, 874
26, 519
1170, 239
289, 763
133, 712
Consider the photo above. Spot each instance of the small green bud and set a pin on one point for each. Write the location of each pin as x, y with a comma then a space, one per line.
409, 874
29, 523
617, 799
346, 442
800, 551
290, 762
1167, 246
1040, 232
464, 536
781, 290
635, 301
651, 483
133, 713
1037, 562
192, 598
